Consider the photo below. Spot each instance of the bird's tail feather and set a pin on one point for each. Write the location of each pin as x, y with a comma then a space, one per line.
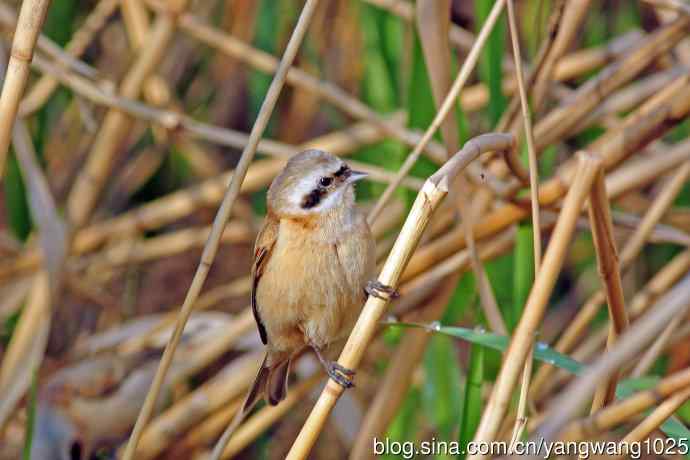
271, 383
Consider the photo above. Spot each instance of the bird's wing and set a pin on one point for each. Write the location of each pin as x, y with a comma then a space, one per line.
262, 252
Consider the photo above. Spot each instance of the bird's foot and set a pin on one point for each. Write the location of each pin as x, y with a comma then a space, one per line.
342, 375
381, 291
339, 373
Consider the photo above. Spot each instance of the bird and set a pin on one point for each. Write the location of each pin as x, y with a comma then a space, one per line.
314, 259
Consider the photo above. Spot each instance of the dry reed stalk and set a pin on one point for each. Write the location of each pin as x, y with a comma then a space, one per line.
558, 123
137, 251
568, 67
433, 21
27, 345
640, 303
658, 416
535, 307
642, 331
631, 96
631, 249
521, 418
12, 297
155, 89
235, 288
458, 36
647, 123
31, 17
26, 349
433, 192
610, 274
647, 361
448, 103
220, 220
174, 206
91, 179
573, 15
208, 430
620, 411
325, 90
226, 385
41, 91
255, 425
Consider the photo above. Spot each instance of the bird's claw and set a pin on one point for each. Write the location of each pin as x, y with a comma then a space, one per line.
340, 374
381, 291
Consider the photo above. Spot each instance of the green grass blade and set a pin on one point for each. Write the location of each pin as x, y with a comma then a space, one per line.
472, 406
523, 273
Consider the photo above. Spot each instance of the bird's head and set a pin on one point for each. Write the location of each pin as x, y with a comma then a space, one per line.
313, 182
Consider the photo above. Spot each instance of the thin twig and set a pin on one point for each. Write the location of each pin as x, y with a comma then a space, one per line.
521, 419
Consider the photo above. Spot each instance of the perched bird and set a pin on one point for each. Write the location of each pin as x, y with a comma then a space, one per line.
313, 260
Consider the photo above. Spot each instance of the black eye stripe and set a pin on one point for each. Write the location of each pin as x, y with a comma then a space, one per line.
313, 198
343, 169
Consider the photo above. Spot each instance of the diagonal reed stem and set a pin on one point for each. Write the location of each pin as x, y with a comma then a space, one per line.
429, 198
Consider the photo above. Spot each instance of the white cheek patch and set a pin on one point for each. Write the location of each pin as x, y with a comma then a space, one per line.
303, 188
331, 199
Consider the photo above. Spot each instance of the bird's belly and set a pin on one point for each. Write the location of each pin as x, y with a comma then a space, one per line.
305, 297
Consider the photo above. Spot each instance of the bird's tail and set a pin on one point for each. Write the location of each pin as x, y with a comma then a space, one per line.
270, 383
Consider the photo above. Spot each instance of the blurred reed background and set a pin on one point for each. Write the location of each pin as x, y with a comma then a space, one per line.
134, 115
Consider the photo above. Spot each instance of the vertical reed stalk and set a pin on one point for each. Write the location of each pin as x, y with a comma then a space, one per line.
535, 308
31, 17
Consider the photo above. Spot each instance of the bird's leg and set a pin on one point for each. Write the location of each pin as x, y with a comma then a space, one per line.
342, 375
379, 290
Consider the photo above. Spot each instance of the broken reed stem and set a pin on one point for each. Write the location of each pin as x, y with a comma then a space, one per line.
609, 272
620, 411
521, 419
434, 190
535, 307
448, 104
41, 91
220, 220
31, 17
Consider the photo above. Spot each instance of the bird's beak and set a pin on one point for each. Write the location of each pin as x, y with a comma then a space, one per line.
356, 176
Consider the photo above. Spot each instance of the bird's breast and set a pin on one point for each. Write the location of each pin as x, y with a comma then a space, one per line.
312, 279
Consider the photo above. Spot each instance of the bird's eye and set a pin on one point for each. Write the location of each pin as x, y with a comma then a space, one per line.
325, 181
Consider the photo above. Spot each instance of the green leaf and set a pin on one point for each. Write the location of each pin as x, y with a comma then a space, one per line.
441, 390
31, 419
404, 426
472, 406
16, 204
